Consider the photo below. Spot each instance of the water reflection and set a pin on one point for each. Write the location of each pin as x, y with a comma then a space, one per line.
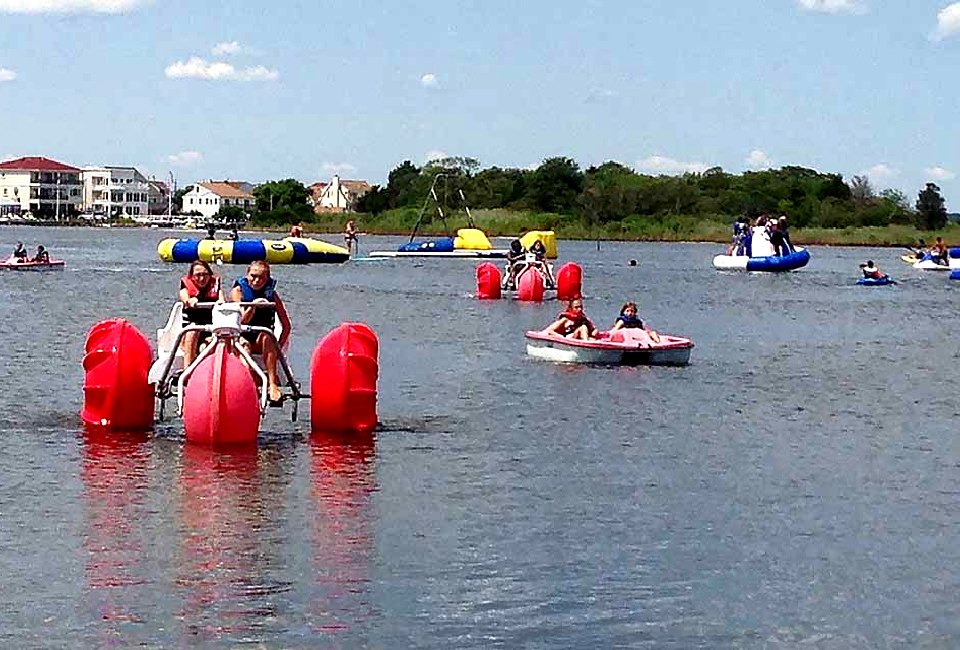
115, 477
231, 510
343, 481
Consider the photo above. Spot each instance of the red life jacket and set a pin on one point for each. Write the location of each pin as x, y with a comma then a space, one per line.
576, 318
209, 294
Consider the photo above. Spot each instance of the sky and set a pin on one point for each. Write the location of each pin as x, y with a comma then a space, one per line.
211, 89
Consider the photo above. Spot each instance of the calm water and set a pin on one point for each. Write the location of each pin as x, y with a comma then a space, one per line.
796, 485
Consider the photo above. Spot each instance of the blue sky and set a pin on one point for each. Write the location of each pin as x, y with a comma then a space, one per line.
308, 88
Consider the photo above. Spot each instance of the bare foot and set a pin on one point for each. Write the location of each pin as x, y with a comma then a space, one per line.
274, 393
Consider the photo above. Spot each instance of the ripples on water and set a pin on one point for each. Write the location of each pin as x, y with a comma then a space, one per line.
795, 486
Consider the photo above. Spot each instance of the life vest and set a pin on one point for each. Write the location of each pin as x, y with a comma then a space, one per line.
262, 316
576, 319
210, 293
630, 322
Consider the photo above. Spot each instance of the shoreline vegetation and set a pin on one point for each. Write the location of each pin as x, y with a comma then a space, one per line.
507, 223
502, 223
613, 202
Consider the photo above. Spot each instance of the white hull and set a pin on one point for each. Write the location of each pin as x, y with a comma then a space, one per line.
674, 351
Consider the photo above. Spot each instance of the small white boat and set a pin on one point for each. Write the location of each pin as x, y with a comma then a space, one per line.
622, 347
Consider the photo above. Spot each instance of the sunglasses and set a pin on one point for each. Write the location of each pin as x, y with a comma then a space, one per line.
257, 276
202, 274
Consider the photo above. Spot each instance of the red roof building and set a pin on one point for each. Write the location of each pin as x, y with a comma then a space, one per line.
36, 164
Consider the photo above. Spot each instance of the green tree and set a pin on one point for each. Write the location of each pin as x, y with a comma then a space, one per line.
555, 185
931, 208
288, 193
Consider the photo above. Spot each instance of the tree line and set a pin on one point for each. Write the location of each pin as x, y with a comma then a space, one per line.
613, 192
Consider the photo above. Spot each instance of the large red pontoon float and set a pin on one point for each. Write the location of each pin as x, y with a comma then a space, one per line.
223, 395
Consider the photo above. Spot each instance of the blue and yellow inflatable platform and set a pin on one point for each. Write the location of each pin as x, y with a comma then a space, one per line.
292, 250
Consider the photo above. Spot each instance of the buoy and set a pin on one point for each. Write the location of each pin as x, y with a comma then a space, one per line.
488, 281
343, 380
530, 285
569, 281
221, 403
116, 393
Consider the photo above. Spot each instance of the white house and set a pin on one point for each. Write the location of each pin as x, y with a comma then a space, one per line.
208, 197
115, 191
44, 187
337, 195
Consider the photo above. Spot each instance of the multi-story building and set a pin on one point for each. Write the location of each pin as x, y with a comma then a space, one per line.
45, 188
115, 191
209, 196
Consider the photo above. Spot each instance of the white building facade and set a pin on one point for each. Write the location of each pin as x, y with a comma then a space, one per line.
115, 192
209, 197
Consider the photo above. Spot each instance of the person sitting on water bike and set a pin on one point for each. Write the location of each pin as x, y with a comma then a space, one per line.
573, 323
516, 260
257, 286
198, 285
540, 254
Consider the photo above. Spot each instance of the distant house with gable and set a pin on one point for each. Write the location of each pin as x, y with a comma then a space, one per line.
209, 196
337, 195
43, 187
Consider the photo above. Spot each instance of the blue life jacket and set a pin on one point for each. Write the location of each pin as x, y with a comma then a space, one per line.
630, 321
263, 316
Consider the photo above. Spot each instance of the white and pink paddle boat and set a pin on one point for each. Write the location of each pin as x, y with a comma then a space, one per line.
222, 395
621, 347
532, 282
26, 264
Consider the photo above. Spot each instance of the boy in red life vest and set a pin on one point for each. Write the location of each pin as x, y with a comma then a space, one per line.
573, 323
198, 285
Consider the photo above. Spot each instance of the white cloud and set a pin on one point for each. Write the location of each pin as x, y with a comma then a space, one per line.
833, 6
758, 160
939, 174
225, 48
429, 80
185, 158
880, 172
197, 68
340, 169
434, 154
7, 74
669, 166
69, 6
948, 22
